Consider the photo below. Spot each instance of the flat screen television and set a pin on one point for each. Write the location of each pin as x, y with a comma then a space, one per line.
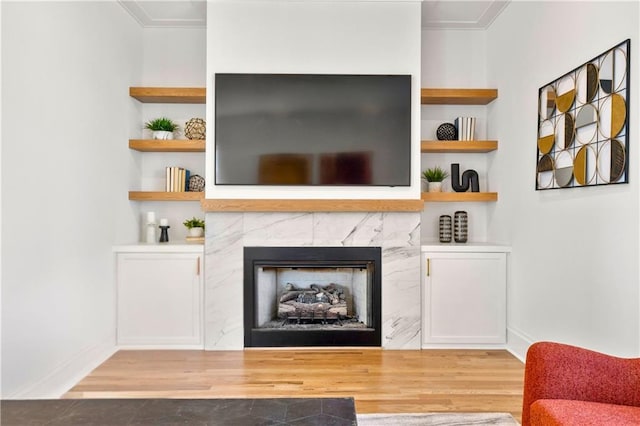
312, 129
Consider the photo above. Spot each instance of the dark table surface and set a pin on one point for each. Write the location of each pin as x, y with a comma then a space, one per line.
205, 412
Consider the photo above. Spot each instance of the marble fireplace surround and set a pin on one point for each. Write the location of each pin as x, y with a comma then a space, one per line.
397, 233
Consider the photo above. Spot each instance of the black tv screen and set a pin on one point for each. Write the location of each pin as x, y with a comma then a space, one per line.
312, 129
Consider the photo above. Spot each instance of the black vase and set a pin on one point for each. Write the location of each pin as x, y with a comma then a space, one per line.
444, 228
460, 226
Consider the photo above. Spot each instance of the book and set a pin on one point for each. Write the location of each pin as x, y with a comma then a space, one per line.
176, 179
465, 127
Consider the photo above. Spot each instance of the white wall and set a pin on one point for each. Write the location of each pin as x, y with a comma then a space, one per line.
1, 198
171, 57
366, 37
66, 67
574, 267
456, 59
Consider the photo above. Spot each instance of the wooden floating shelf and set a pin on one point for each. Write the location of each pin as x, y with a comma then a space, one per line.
169, 95
459, 196
267, 205
175, 145
430, 96
165, 196
458, 146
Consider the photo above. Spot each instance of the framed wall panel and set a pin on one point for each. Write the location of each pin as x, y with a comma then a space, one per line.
583, 124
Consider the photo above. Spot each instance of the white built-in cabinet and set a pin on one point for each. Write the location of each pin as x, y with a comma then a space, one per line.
160, 296
464, 296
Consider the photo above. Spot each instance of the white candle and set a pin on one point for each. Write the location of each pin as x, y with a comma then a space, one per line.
151, 217
164, 222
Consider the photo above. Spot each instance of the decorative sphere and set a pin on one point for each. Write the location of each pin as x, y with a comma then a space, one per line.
447, 132
195, 128
196, 183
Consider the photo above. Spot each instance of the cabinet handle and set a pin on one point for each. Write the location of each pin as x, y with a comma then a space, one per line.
198, 267
428, 267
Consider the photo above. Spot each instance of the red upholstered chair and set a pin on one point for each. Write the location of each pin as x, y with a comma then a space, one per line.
567, 385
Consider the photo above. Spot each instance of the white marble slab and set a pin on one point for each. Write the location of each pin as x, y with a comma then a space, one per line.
228, 233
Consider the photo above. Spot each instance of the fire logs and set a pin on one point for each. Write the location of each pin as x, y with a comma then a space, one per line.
315, 303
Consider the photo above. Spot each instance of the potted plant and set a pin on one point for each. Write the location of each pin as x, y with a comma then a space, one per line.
434, 176
195, 227
162, 128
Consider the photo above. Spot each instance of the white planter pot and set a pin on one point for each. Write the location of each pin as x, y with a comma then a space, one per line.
195, 232
435, 186
161, 134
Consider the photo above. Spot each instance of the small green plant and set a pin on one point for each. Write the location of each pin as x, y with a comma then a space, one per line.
435, 174
194, 223
161, 124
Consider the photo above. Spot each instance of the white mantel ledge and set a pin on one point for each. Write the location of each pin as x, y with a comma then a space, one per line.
159, 248
481, 247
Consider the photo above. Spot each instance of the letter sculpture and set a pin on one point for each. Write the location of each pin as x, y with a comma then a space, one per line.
469, 179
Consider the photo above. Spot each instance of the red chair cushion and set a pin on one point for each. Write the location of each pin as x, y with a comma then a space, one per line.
552, 412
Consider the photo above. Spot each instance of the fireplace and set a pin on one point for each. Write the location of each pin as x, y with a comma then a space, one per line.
312, 296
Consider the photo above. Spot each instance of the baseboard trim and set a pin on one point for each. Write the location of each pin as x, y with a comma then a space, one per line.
153, 347
474, 346
518, 343
69, 372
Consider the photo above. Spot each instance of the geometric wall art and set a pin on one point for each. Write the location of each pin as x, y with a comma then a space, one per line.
583, 124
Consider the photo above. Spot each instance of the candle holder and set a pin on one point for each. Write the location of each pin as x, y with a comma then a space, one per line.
164, 233
150, 233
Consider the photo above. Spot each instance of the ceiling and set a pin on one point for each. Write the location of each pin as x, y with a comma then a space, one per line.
437, 14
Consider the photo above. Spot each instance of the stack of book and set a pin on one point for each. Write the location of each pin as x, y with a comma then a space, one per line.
177, 179
466, 128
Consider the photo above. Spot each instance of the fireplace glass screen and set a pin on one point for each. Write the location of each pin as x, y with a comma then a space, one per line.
309, 296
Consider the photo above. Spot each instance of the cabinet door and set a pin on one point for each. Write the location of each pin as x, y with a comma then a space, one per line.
464, 298
159, 299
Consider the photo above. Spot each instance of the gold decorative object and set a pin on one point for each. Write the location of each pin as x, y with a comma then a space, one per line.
583, 124
546, 143
195, 128
564, 101
580, 166
618, 114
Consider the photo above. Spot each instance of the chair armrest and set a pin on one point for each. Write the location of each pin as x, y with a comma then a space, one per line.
559, 371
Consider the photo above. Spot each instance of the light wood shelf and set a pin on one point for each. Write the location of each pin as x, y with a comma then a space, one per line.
175, 145
458, 146
449, 197
169, 95
315, 205
437, 96
165, 196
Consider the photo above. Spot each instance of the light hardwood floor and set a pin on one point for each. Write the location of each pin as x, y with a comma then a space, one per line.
380, 381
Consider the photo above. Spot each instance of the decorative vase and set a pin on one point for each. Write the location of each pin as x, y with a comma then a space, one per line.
435, 186
195, 128
460, 226
444, 228
196, 183
447, 132
162, 134
195, 232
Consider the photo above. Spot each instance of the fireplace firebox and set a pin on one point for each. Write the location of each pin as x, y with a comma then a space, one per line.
312, 296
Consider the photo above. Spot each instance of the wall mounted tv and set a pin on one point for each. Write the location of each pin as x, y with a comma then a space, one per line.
312, 129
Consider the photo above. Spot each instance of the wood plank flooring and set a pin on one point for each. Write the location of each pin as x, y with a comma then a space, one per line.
380, 381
